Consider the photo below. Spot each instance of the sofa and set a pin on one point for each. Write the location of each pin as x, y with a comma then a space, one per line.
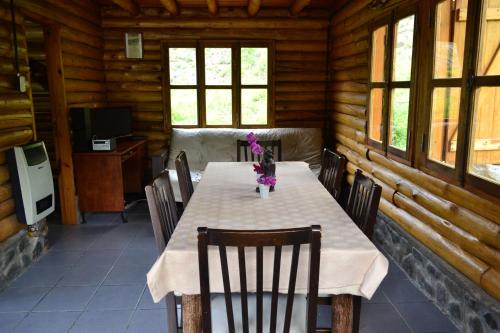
203, 145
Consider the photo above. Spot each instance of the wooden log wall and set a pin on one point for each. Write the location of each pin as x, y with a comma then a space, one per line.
461, 227
300, 64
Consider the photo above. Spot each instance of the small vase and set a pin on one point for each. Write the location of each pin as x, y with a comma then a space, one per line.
264, 191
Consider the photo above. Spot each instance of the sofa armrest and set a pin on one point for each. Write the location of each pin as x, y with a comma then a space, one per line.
159, 161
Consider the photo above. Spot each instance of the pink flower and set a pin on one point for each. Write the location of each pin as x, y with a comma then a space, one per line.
258, 169
256, 148
268, 181
251, 138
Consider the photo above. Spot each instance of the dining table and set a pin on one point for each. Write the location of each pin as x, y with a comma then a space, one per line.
226, 198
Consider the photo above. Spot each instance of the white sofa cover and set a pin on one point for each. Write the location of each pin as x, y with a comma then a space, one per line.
203, 145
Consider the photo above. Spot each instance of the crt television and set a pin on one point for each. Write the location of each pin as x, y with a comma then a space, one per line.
99, 123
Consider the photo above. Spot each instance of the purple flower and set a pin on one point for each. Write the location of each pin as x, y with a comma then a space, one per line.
268, 181
258, 169
251, 138
256, 148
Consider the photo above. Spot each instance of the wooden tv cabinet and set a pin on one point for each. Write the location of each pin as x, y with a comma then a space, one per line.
103, 178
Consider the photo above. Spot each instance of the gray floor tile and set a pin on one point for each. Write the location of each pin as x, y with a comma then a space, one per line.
99, 257
399, 291
115, 298
74, 243
85, 275
127, 274
395, 272
10, 320
60, 258
146, 302
40, 275
378, 297
102, 218
148, 321
324, 316
138, 218
103, 322
48, 322
425, 317
21, 299
111, 241
66, 299
140, 257
143, 242
382, 317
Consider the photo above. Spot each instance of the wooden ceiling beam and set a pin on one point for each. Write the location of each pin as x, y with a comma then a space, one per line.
298, 5
171, 6
253, 7
128, 5
212, 7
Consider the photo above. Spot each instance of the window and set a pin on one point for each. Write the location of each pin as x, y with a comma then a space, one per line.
462, 136
391, 91
217, 83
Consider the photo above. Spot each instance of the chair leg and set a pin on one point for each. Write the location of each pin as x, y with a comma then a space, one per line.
356, 313
171, 313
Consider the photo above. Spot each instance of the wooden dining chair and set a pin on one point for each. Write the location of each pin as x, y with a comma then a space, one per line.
164, 218
332, 172
244, 146
184, 177
362, 205
259, 239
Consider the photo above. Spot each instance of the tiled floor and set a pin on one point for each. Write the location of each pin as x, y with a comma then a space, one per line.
93, 279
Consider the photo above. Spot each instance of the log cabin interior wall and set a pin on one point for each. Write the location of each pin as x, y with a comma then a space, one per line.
461, 227
300, 60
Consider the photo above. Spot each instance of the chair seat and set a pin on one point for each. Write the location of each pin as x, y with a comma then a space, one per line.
195, 177
219, 316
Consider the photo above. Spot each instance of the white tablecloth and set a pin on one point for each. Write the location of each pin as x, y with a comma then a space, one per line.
226, 198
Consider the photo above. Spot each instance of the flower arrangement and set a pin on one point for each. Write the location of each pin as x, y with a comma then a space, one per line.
258, 169
267, 180
254, 146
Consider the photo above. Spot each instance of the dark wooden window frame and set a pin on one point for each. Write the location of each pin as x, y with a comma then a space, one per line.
201, 86
469, 83
390, 20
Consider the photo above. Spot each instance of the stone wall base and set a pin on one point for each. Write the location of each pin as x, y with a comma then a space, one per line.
470, 308
19, 251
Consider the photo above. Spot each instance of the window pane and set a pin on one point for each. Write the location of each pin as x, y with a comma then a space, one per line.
218, 66
398, 129
451, 17
254, 65
182, 64
484, 156
379, 37
375, 121
403, 43
444, 125
184, 106
489, 57
219, 107
254, 106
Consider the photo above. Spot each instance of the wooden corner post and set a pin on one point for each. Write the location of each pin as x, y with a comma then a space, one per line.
60, 121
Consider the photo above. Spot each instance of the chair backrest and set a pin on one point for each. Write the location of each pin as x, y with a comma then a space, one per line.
363, 202
332, 172
259, 239
242, 145
162, 208
184, 177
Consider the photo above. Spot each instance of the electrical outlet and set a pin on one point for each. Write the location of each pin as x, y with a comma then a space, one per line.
21, 83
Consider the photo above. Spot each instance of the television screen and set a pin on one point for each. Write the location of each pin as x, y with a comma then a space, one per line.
111, 122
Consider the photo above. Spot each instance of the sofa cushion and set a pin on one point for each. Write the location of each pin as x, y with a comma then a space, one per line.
195, 178
203, 145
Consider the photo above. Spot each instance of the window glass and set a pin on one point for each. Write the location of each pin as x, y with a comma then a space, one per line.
379, 37
403, 49
254, 106
254, 66
451, 19
442, 145
184, 106
484, 155
489, 44
219, 107
398, 117
218, 66
375, 121
182, 65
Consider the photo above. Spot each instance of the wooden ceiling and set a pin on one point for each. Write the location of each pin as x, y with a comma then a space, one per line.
253, 6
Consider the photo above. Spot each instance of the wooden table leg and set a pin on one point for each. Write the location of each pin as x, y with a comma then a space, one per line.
171, 313
191, 307
342, 313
